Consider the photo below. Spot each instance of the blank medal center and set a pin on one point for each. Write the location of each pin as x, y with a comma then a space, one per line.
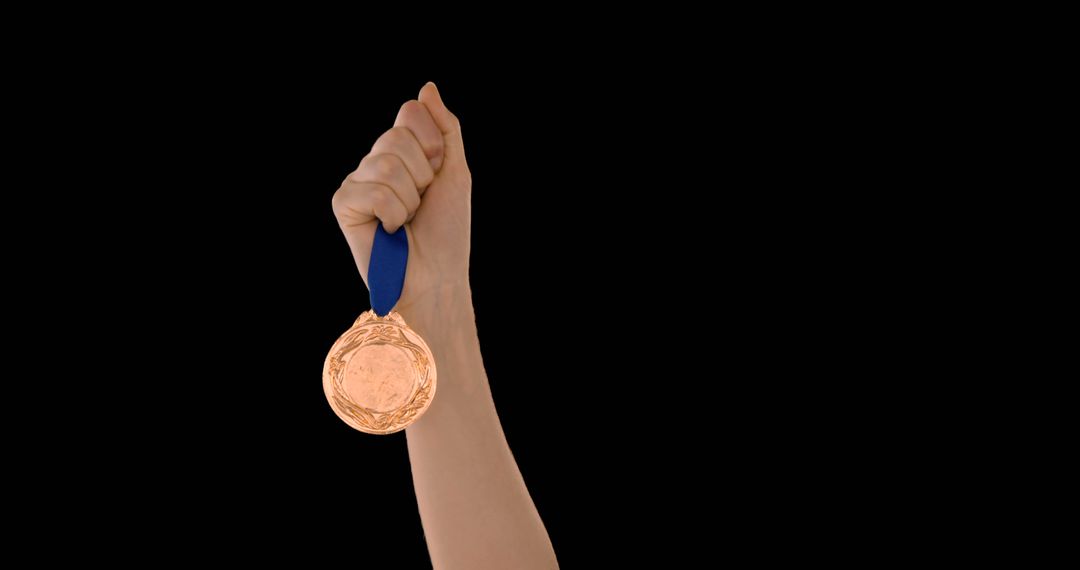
379, 377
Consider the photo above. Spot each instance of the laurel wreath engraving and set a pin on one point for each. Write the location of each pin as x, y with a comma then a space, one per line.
370, 329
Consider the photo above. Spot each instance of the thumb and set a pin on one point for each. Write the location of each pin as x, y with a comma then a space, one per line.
447, 123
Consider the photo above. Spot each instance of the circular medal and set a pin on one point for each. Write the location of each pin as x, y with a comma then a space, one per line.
380, 375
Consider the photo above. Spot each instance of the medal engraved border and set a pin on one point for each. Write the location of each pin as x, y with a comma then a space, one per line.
372, 329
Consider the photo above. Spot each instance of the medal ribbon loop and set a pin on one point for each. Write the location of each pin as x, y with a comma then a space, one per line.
386, 269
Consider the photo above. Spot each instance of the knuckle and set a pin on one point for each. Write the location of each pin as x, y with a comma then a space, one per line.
396, 137
343, 198
374, 167
378, 197
358, 175
386, 165
413, 203
337, 201
427, 176
399, 216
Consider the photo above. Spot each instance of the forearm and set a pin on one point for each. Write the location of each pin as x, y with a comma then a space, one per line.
474, 505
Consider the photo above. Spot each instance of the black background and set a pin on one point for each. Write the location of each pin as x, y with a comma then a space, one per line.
538, 292
741, 203
570, 197
209, 247
645, 272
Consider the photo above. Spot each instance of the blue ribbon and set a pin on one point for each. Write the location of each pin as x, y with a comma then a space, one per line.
386, 270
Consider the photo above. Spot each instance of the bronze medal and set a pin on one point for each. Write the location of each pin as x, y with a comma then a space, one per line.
380, 375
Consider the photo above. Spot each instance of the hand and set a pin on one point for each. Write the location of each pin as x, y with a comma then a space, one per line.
415, 176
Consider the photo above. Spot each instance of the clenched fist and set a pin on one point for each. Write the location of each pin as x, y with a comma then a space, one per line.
414, 177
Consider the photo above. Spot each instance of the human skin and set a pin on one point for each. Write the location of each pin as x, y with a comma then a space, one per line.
476, 511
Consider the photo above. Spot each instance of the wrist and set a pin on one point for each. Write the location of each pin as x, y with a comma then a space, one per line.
443, 316
440, 313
